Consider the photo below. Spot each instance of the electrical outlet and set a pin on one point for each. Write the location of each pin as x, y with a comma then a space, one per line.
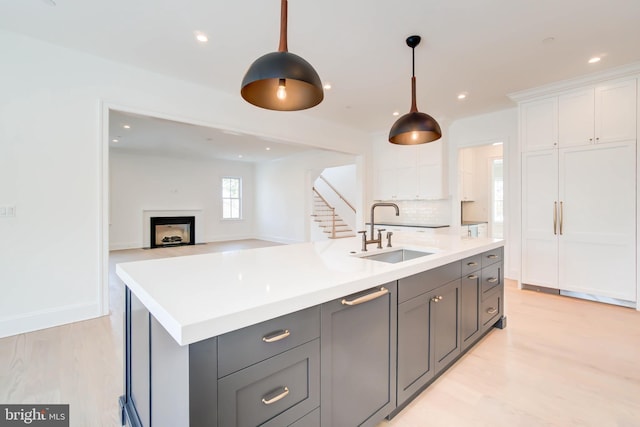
7, 211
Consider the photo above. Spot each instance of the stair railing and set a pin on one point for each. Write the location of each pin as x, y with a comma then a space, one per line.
333, 213
338, 193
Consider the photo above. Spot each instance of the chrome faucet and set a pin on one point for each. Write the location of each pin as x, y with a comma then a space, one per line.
366, 241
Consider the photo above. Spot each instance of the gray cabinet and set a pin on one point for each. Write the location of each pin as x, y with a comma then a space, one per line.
428, 327
358, 358
445, 324
470, 322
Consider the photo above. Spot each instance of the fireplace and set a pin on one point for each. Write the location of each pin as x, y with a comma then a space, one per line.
172, 231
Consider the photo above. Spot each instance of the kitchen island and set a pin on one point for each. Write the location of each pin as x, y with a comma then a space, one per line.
304, 335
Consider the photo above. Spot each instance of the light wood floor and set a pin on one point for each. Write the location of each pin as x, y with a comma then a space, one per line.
560, 362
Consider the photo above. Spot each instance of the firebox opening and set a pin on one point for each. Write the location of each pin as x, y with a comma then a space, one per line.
172, 231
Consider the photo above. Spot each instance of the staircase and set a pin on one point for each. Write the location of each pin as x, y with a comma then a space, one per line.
323, 214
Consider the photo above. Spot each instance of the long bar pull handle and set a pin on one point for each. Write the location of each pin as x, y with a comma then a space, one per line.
274, 399
555, 218
365, 298
276, 336
561, 217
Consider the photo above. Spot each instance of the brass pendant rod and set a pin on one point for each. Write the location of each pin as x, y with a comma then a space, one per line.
283, 27
414, 108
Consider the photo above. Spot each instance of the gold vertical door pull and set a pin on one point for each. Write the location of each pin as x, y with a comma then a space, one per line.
555, 218
561, 217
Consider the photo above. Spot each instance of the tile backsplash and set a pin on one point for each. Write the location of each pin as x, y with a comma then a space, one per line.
416, 212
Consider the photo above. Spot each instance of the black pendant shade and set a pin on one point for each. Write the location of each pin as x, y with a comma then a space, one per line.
282, 80
414, 127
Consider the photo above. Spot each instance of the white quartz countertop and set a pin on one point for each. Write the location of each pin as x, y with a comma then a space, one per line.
201, 296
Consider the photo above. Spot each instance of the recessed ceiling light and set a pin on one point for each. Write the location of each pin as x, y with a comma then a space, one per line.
114, 140
201, 37
126, 127
268, 148
497, 143
594, 60
327, 86
462, 95
239, 156
395, 113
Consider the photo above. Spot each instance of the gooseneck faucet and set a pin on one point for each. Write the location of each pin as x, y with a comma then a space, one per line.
366, 241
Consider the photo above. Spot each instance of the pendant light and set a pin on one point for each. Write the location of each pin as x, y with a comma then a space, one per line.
282, 80
414, 127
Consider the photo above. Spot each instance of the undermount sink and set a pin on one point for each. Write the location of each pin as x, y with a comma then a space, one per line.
399, 255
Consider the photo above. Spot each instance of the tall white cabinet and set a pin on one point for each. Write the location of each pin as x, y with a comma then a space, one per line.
579, 190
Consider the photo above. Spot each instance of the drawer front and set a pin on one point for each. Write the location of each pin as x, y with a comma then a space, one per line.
492, 256
415, 285
244, 347
276, 392
310, 420
492, 309
490, 278
471, 264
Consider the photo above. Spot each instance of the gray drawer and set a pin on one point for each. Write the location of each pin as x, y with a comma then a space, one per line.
273, 393
490, 278
415, 285
492, 308
471, 264
492, 256
244, 347
310, 420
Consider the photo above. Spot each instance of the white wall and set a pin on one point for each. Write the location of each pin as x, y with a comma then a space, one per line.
500, 126
54, 162
143, 182
283, 194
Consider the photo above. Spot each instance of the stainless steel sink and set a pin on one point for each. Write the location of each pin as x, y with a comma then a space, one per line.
396, 256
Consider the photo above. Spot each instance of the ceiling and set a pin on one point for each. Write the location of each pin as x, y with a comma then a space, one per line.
138, 134
487, 48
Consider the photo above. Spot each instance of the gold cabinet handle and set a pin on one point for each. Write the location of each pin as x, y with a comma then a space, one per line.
472, 264
276, 336
492, 279
561, 217
274, 399
492, 256
472, 277
492, 310
555, 218
366, 298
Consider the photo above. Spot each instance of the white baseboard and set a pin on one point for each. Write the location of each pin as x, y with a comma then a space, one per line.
125, 245
29, 322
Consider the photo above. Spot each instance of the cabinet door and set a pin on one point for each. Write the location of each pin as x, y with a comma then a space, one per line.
358, 358
576, 118
539, 124
615, 107
445, 324
469, 309
429, 165
415, 358
539, 209
597, 241
386, 184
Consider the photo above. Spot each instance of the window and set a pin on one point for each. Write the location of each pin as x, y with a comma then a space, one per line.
231, 198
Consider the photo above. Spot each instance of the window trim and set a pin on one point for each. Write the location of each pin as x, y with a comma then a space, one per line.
239, 198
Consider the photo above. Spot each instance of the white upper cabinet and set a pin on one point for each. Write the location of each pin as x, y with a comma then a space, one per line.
595, 115
615, 112
407, 172
576, 118
539, 124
